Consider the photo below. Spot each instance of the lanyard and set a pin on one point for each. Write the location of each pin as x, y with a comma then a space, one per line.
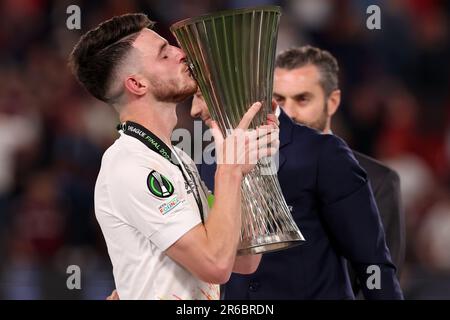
155, 144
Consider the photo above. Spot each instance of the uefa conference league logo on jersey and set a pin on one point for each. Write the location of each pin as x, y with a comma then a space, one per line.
162, 188
159, 185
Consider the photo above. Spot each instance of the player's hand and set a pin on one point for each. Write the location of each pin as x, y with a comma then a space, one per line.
271, 117
242, 149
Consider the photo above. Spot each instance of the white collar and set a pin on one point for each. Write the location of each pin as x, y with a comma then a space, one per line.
277, 111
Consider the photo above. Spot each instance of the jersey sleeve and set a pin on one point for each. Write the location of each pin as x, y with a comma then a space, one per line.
152, 199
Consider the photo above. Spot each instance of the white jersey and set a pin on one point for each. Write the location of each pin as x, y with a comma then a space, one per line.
143, 205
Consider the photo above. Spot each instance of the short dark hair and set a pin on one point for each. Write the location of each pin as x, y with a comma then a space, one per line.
308, 55
98, 52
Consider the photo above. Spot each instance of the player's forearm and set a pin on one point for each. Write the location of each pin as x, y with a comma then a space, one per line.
247, 264
224, 221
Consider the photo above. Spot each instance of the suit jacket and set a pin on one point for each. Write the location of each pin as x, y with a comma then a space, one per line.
333, 205
385, 184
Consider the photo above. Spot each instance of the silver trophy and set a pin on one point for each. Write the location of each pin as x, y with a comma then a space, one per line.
231, 55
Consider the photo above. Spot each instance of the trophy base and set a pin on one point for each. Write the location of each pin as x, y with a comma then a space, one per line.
270, 243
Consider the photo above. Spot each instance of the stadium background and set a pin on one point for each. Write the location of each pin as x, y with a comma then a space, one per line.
395, 107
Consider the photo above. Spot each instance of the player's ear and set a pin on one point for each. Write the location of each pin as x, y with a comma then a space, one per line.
136, 85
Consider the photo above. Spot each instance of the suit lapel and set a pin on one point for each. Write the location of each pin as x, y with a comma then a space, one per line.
286, 127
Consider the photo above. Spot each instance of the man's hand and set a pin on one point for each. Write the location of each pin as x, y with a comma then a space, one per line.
114, 296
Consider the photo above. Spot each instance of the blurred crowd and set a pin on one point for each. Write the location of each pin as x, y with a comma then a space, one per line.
396, 108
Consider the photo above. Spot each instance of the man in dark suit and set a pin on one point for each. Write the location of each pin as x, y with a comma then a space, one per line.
385, 184
297, 72
333, 204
